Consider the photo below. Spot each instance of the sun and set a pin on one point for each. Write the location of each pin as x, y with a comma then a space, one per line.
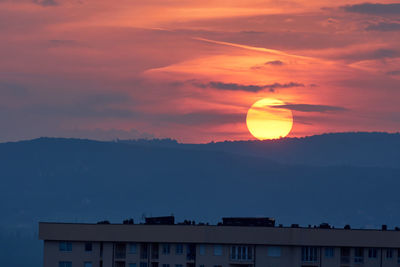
265, 121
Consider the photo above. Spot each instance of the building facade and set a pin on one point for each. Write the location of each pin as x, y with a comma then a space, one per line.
143, 245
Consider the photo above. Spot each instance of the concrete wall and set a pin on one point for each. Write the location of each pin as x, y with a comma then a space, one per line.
78, 255
289, 240
220, 235
290, 256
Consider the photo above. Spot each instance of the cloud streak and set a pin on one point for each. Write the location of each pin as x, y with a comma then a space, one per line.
393, 72
46, 3
248, 88
374, 9
310, 108
57, 43
275, 63
253, 48
211, 117
375, 54
384, 27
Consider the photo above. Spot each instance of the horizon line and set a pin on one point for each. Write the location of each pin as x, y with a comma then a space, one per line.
163, 139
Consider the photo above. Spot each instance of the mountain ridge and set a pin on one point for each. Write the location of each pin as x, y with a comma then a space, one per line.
355, 148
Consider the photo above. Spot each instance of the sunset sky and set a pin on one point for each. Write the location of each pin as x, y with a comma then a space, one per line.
190, 70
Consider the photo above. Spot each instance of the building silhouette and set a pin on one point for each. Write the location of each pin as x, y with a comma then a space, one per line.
236, 242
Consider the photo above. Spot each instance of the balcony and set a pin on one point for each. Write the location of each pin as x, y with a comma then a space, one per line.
154, 251
359, 260
345, 253
247, 260
143, 251
345, 260
191, 252
241, 264
241, 259
120, 251
190, 257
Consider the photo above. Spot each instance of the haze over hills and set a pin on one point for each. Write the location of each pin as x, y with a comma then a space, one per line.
296, 180
356, 149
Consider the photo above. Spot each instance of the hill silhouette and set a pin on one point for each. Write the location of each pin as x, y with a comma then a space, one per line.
349, 178
356, 149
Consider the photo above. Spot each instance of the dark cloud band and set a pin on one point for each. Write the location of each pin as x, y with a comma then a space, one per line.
393, 72
310, 108
374, 9
275, 63
384, 27
46, 3
247, 88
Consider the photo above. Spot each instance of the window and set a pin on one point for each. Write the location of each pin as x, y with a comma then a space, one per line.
217, 250
132, 248
120, 251
274, 251
65, 246
202, 249
143, 251
190, 252
398, 255
143, 264
165, 265
119, 264
201, 265
88, 264
372, 253
241, 253
309, 254
154, 251
88, 247
179, 249
329, 252
65, 264
389, 253
345, 255
178, 265
132, 264
358, 255
166, 249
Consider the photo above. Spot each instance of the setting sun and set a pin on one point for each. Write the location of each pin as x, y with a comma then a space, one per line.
265, 120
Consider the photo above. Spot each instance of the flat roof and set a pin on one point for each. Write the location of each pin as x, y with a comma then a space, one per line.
211, 234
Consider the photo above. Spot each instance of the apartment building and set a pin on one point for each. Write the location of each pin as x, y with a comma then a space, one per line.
237, 242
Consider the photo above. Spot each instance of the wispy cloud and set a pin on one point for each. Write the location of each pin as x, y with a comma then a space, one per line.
211, 117
92, 105
275, 63
46, 3
60, 42
253, 48
393, 72
247, 88
376, 54
384, 27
